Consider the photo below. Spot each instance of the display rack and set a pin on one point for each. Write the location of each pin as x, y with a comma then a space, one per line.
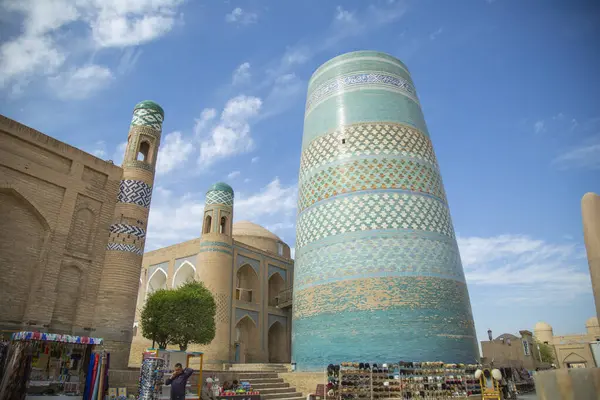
403, 380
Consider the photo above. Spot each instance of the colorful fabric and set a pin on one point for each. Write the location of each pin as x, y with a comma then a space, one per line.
54, 337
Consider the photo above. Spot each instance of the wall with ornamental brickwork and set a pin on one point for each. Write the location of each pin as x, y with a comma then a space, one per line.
56, 206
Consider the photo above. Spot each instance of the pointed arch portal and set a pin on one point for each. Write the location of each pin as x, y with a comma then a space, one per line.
185, 273
278, 349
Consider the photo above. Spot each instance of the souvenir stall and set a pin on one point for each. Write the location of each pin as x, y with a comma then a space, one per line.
158, 365
403, 380
53, 367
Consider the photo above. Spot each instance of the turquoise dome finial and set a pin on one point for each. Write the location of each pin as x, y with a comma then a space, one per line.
220, 193
149, 104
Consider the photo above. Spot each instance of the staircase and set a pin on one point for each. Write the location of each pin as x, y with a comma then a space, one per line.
265, 379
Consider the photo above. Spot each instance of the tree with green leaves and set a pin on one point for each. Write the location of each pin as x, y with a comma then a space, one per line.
181, 316
546, 353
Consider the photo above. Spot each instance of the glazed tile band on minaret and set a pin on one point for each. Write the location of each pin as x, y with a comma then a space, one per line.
117, 295
378, 273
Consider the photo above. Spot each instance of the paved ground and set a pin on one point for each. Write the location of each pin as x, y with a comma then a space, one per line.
528, 396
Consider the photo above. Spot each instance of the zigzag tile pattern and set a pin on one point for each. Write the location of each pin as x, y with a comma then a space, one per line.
219, 197
124, 247
370, 174
147, 117
372, 211
367, 139
128, 230
135, 192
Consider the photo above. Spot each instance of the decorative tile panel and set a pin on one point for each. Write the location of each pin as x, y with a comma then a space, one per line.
367, 140
241, 313
396, 254
219, 197
124, 247
135, 192
241, 260
360, 81
277, 318
372, 211
147, 117
128, 230
369, 174
276, 270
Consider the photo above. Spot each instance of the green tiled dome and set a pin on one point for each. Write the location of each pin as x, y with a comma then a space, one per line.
222, 186
149, 104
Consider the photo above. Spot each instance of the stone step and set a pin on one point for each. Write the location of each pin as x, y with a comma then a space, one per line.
260, 380
277, 396
261, 386
252, 375
265, 391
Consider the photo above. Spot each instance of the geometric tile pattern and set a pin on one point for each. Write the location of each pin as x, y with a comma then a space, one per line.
369, 174
147, 117
128, 230
124, 247
372, 211
219, 197
367, 139
394, 254
363, 80
135, 192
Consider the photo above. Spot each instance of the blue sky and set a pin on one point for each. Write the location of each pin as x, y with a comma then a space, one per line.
510, 92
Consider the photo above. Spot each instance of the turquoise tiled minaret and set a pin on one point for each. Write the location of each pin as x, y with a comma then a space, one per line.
378, 275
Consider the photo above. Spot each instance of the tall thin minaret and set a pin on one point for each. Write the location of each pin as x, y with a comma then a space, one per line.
115, 306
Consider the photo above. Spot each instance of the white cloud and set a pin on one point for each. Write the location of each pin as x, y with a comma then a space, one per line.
231, 135
246, 180
255, 160
585, 156
51, 27
128, 60
206, 117
178, 217
525, 267
539, 126
28, 55
233, 174
242, 17
173, 153
81, 83
285, 91
119, 153
434, 35
343, 15
241, 74
99, 149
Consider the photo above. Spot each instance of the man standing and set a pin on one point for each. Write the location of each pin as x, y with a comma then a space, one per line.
207, 390
178, 381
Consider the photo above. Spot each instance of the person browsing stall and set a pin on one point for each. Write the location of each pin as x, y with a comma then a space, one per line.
178, 381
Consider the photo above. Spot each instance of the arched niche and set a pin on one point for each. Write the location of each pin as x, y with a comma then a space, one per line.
207, 224
276, 285
278, 346
143, 153
68, 291
185, 273
157, 281
247, 284
24, 237
80, 235
247, 340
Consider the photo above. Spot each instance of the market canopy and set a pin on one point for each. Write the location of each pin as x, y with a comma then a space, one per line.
54, 337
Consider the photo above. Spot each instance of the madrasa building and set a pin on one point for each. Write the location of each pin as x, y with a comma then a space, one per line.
250, 273
73, 232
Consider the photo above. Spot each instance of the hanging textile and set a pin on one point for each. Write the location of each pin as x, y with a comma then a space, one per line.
3, 356
17, 370
88, 378
151, 378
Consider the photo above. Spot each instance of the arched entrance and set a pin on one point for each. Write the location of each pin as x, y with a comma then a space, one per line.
278, 349
247, 340
276, 285
157, 281
22, 239
184, 274
247, 288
